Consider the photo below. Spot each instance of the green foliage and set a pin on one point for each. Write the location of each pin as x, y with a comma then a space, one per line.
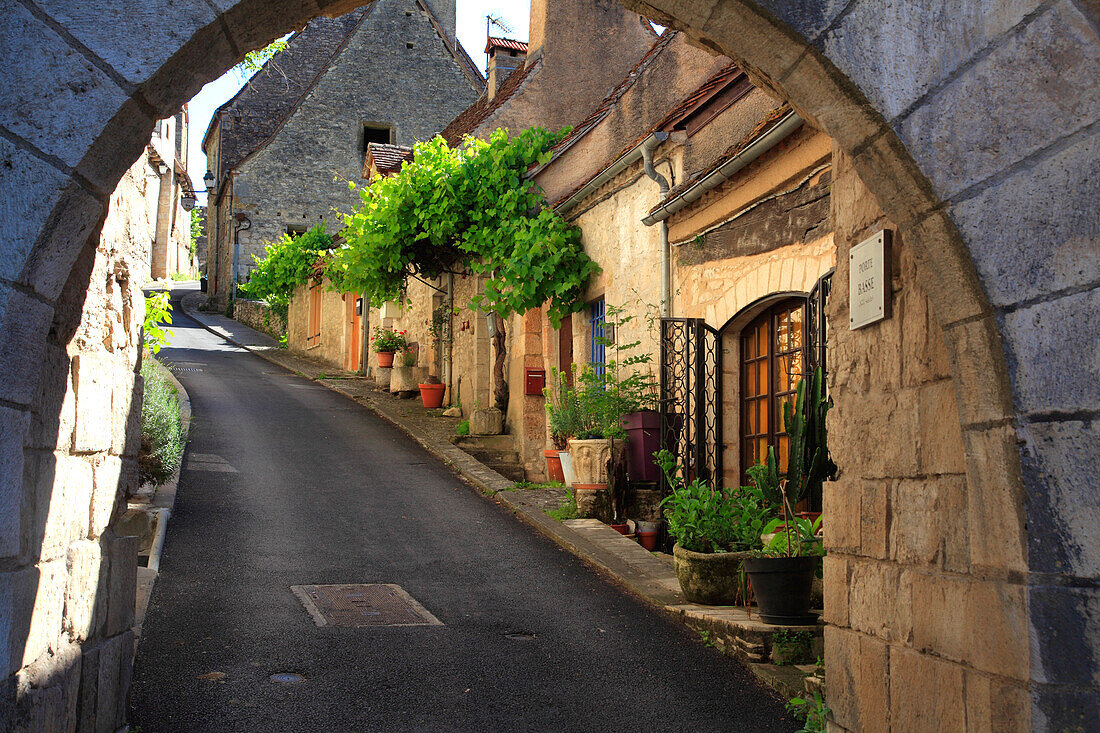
197, 225
792, 646
809, 462
468, 209
255, 60
562, 408
567, 510
794, 537
706, 519
408, 359
439, 327
599, 407
386, 339
627, 375
286, 265
463, 428
814, 712
161, 430
158, 314
230, 308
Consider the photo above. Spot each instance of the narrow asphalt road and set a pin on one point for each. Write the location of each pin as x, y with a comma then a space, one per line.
288, 483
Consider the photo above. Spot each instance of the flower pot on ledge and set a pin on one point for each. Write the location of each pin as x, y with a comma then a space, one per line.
385, 359
432, 395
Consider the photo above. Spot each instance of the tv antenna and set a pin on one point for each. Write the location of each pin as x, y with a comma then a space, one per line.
496, 21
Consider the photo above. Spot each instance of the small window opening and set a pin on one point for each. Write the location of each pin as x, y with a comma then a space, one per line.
375, 134
409, 45
296, 230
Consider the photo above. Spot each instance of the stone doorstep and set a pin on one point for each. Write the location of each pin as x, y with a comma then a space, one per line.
647, 575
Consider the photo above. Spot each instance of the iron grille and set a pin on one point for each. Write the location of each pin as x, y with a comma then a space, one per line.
817, 325
691, 388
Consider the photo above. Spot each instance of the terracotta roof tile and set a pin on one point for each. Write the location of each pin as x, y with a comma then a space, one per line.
507, 44
468, 120
386, 158
681, 110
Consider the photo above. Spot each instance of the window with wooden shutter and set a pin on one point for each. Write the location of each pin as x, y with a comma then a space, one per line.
313, 332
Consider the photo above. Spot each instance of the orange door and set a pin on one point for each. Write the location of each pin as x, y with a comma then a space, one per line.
353, 321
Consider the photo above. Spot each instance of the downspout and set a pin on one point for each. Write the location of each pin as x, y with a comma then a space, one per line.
648, 147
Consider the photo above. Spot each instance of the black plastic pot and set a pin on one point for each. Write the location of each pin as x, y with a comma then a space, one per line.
782, 588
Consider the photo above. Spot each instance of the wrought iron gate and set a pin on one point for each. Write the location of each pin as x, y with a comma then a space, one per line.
691, 389
817, 325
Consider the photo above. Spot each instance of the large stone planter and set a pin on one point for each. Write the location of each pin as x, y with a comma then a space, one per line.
406, 379
590, 459
489, 421
709, 578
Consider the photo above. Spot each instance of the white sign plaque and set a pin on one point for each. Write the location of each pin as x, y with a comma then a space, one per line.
869, 281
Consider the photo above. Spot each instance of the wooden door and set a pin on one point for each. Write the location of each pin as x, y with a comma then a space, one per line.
354, 334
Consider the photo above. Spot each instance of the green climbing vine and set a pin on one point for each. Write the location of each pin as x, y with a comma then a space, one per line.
287, 264
469, 209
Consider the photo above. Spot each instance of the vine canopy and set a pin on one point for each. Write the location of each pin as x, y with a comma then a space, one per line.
469, 209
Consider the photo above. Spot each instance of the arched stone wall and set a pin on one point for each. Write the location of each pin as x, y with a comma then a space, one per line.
977, 129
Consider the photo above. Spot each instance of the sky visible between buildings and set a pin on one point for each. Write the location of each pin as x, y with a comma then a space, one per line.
516, 15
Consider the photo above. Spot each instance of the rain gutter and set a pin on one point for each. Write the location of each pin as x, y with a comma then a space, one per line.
724, 172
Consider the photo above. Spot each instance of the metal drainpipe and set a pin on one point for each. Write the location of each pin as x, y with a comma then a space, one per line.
648, 147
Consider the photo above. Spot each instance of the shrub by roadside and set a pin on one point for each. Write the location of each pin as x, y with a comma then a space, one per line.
161, 429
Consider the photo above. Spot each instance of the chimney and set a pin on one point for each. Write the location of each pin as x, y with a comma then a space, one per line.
505, 56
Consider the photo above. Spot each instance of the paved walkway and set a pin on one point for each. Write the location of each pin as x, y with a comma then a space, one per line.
288, 483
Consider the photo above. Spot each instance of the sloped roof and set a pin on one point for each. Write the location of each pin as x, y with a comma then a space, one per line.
469, 119
507, 44
386, 158
254, 114
762, 128
690, 103
616, 94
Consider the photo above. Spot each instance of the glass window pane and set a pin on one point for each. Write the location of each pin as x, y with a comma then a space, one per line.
762, 378
796, 327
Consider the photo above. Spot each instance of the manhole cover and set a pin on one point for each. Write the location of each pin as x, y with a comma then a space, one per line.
374, 604
286, 678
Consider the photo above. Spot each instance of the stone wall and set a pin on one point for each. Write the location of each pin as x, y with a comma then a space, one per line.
67, 581
924, 594
298, 177
260, 316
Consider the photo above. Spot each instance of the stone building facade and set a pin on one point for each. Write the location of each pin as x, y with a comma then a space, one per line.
170, 253
284, 148
977, 141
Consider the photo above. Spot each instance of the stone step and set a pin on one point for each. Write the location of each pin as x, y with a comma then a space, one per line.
490, 442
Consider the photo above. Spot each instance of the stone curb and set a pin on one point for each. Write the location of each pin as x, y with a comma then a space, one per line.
161, 505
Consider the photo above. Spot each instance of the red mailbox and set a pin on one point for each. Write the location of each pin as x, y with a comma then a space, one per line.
534, 380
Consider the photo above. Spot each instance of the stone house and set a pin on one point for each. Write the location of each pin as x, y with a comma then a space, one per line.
391, 72
579, 49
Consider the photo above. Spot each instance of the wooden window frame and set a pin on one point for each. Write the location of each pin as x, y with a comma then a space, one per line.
774, 430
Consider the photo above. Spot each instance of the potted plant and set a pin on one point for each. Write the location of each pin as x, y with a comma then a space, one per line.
561, 412
387, 342
432, 391
405, 379
598, 430
715, 531
782, 575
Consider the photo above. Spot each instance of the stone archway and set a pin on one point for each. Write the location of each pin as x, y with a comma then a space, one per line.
978, 135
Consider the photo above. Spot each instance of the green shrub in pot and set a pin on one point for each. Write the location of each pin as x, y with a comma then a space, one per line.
715, 530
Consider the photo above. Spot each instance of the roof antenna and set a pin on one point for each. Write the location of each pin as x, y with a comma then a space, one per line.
497, 21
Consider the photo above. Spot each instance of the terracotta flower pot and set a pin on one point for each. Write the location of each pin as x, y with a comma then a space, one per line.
385, 359
553, 466
432, 395
648, 533
623, 528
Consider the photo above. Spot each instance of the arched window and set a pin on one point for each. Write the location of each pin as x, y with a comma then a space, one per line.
773, 358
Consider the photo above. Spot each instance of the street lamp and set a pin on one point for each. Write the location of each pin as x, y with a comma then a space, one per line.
208, 179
